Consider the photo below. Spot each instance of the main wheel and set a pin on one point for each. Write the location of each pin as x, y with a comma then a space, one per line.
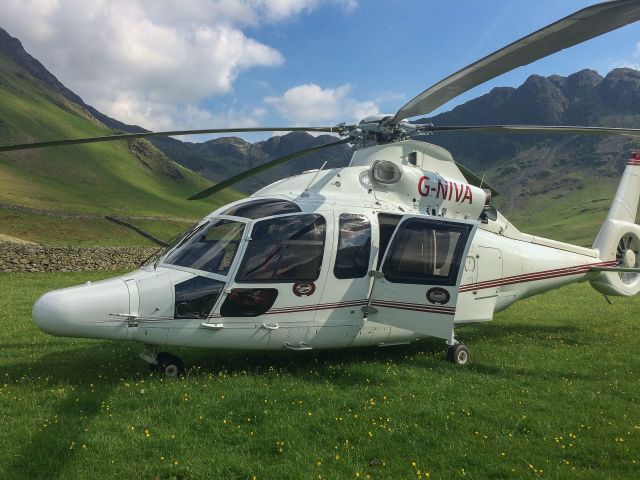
458, 354
169, 365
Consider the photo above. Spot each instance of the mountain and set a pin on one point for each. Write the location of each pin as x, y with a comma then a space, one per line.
553, 185
61, 195
115, 178
584, 98
215, 159
222, 158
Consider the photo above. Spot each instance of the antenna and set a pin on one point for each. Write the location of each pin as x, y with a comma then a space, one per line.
305, 192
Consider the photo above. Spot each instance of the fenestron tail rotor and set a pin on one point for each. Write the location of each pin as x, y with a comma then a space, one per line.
627, 256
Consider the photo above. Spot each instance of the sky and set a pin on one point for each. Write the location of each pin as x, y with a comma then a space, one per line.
187, 64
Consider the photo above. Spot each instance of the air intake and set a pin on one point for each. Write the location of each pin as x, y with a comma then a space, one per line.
386, 172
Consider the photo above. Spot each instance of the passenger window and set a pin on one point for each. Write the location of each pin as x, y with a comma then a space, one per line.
354, 247
248, 302
426, 252
288, 249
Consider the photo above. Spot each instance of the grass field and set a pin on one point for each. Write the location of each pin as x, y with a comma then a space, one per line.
552, 391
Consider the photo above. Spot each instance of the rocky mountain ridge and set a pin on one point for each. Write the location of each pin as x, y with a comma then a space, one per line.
583, 98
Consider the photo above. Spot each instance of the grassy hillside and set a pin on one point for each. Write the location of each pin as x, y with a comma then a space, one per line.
559, 187
111, 178
565, 197
551, 392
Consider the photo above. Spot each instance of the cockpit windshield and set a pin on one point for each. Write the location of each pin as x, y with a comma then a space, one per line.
210, 248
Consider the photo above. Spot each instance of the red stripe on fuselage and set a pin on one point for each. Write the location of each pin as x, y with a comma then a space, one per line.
401, 305
532, 277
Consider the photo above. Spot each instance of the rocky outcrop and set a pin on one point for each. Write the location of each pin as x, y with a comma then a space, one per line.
16, 257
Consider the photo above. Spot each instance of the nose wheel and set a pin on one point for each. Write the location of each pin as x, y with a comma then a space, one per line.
164, 363
168, 365
458, 354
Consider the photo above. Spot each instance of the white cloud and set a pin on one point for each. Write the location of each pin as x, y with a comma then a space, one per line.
390, 97
277, 10
150, 63
633, 62
623, 64
311, 104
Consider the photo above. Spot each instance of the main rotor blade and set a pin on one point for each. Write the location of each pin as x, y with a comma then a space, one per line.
126, 136
578, 27
538, 129
476, 180
265, 166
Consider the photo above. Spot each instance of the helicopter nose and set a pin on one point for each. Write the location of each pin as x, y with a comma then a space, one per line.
88, 310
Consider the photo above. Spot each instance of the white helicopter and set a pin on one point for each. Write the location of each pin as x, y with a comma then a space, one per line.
400, 245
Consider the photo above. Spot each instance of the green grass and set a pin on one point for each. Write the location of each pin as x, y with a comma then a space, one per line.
552, 391
574, 218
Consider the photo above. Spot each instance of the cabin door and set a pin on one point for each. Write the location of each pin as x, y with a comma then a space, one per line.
416, 287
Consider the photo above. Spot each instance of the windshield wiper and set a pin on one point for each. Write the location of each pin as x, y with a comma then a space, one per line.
170, 244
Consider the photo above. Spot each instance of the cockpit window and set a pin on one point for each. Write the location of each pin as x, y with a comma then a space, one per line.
195, 298
286, 249
211, 248
262, 208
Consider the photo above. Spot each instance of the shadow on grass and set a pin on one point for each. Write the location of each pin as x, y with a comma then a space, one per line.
337, 366
499, 329
80, 371
91, 373
27, 346
566, 335
56, 444
108, 364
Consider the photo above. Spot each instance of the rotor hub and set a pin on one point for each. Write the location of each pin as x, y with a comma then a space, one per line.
380, 129
629, 259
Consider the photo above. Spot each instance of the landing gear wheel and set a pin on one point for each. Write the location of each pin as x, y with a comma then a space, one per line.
168, 365
458, 354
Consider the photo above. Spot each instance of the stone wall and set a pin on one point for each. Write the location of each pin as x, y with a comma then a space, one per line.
16, 257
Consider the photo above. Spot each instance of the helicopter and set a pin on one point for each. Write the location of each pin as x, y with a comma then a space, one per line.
402, 244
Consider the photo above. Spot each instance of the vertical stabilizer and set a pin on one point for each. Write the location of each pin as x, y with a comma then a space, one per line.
625, 204
619, 236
